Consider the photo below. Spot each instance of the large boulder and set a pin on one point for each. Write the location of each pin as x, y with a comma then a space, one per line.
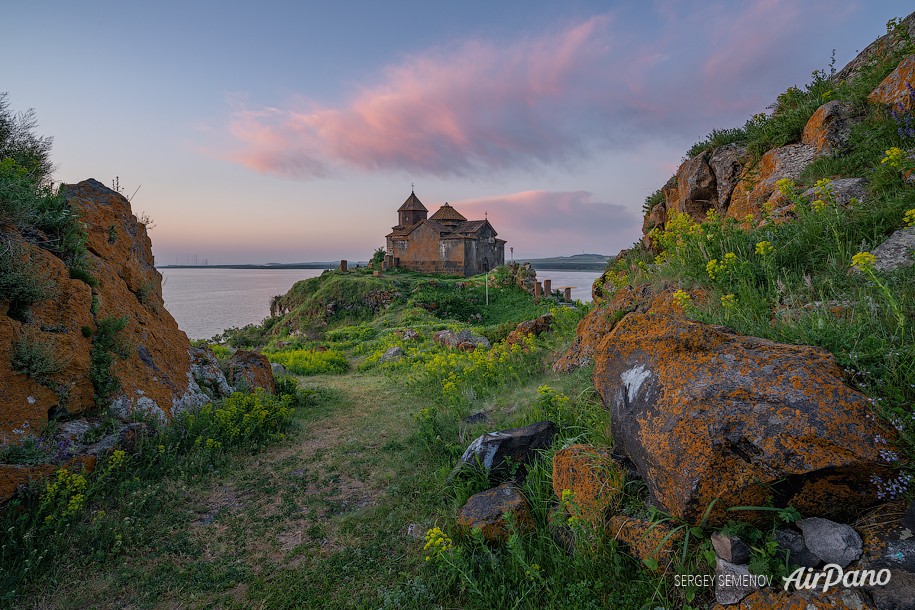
703, 414
777, 598
208, 374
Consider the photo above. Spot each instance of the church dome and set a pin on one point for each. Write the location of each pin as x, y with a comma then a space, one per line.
447, 213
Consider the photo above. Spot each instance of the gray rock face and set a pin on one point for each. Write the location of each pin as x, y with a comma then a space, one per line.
393, 353
896, 251
277, 368
730, 548
732, 582
494, 451
726, 163
207, 373
843, 190
830, 541
697, 189
453, 340
798, 553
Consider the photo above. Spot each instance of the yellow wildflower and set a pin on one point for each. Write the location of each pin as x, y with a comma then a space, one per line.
764, 248
863, 261
909, 218
682, 299
729, 301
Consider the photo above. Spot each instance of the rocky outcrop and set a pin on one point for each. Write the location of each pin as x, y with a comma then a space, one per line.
880, 48
704, 414
828, 129
697, 190
150, 360
896, 89
757, 183
727, 163
208, 374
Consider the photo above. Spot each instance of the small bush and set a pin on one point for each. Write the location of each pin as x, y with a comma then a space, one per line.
106, 344
36, 356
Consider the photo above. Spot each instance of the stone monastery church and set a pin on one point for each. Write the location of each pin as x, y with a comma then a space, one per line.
445, 242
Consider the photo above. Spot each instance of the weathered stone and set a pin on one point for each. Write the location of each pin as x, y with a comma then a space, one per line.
155, 375
495, 452
697, 191
891, 546
599, 322
830, 541
843, 190
535, 327
393, 353
703, 413
878, 49
730, 548
779, 599
595, 480
277, 369
727, 164
491, 510
207, 373
410, 335
249, 370
757, 183
793, 543
656, 217
453, 340
646, 539
733, 582
896, 251
895, 89
829, 128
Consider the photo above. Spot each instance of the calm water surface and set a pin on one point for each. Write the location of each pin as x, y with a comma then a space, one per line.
205, 302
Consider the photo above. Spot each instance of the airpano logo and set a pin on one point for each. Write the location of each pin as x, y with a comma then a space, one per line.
832, 575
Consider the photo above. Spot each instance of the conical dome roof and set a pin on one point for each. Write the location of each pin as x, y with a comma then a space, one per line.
412, 204
446, 212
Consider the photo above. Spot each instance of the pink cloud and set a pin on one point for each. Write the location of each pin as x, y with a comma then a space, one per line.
479, 107
540, 223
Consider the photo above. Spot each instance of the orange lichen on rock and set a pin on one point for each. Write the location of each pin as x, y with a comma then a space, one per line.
593, 478
250, 370
772, 598
893, 90
706, 414
490, 511
535, 327
757, 183
645, 539
14, 476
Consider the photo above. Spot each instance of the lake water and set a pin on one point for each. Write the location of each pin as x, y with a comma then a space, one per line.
205, 302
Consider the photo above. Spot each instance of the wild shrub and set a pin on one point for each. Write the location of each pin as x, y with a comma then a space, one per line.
107, 343
36, 355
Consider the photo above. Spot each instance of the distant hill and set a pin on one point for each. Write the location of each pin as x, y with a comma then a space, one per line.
312, 265
576, 262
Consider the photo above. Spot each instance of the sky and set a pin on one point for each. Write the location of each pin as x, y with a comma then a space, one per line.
292, 131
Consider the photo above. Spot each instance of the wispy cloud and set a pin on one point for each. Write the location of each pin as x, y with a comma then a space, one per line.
549, 221
479, 107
